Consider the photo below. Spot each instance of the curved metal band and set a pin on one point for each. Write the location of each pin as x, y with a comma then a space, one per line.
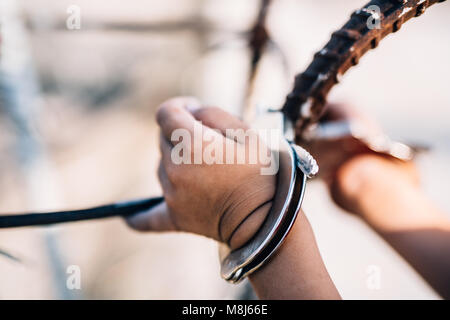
291, 181
306, 102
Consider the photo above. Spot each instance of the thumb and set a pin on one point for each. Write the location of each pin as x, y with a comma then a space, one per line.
155, 219
216, 118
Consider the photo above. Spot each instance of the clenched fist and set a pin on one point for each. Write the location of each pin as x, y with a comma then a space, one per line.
225, 200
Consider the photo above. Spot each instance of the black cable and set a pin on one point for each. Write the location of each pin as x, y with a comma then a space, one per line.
111, 210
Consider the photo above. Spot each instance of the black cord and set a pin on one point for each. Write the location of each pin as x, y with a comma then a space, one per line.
111, 210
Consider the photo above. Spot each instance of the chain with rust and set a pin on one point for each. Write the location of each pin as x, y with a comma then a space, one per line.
306, 103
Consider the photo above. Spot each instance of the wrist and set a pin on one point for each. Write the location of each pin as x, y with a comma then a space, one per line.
351, 184
246, 212
297, 268
365, 180
385, 194
249, 227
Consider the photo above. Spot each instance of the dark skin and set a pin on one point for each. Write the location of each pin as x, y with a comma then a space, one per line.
232, 202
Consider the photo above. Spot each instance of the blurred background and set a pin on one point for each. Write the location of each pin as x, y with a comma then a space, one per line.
77, 129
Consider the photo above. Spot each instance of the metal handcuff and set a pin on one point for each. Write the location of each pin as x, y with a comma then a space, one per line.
295, 166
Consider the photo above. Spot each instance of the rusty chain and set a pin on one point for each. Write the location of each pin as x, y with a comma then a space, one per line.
306, 102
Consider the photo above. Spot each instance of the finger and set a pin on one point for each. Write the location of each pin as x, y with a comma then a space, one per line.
339, 112
345, 117
164, 180
334, 112
155, 219
218, 119
166, 151
174, 114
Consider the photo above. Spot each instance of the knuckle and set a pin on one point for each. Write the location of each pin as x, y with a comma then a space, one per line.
208, 114
163, 113
166, 110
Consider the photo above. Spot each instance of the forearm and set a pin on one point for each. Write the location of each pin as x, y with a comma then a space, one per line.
296, 270
415, 228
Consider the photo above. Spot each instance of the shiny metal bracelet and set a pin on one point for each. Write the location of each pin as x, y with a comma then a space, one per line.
295, 165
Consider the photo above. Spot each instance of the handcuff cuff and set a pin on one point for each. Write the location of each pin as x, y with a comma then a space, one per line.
295, 166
